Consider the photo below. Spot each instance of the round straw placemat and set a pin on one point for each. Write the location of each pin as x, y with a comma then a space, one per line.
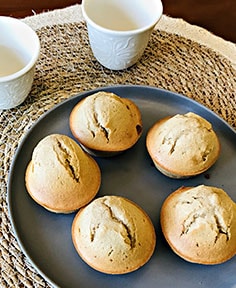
67, 67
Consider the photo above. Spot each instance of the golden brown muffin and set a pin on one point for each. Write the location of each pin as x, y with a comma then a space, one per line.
113, 235
183, 146
61, 177
106, 124
199, 223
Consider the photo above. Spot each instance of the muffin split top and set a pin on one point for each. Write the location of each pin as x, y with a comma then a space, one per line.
106, 122
113, 235
61, 176
199, 223
183, 145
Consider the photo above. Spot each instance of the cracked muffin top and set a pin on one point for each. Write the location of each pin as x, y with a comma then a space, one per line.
199, 223
113, 235
61, 177
183, 145
106, 122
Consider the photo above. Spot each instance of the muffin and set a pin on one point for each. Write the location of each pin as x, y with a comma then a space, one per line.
113, 235
199, 223
61, 177
106, 124
183, 146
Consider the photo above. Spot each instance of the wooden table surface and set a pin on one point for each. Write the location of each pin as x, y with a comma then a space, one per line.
217, 16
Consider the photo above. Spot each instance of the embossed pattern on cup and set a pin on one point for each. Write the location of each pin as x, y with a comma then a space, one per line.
127, 50
119, 30
15, 35
14, 92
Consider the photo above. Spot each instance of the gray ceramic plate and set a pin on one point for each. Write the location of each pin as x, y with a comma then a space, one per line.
45, 237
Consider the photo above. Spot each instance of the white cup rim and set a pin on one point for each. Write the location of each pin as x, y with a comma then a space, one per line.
122, 32
33, 59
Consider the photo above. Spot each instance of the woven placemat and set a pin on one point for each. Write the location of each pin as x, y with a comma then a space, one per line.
67, 67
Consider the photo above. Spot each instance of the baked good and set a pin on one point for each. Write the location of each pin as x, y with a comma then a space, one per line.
183, 146
106, 124
113, 235
199, 223
61, 177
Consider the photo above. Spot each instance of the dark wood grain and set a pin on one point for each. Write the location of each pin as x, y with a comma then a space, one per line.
217, 16
23, 8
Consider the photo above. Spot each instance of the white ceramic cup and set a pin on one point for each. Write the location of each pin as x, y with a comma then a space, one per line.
19, 51
119, 30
